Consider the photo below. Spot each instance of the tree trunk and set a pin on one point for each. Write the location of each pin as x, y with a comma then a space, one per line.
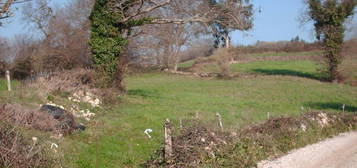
119, 75
228, 41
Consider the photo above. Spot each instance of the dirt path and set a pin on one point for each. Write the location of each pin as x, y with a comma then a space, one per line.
337, 152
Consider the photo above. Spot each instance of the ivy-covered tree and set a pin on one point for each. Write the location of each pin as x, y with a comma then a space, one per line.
114, 20
107, 38
329, 17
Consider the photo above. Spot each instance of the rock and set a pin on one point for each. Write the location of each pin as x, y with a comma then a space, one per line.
65, 118
56, 112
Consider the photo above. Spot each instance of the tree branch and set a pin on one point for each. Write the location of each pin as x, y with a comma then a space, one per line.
147, 10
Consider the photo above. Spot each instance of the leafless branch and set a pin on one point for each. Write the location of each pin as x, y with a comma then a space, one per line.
141, 11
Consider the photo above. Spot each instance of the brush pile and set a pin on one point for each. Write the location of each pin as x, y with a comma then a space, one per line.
200, 146
48, 118
15, 152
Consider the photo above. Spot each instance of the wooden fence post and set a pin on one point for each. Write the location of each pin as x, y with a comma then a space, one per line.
168, 140
7, 74
181, 126
343, 107
220, 121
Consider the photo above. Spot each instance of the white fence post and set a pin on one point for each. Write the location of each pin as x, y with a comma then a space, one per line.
168, 140
220, 120
7, 74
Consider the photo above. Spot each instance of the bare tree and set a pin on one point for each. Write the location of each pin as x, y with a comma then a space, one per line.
180, 27
5, 8
66, 33
164, 42
24, 48
114, 20
38, 15
4, 59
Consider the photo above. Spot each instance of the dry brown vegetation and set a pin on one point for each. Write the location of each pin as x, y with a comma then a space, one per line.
193, 143
198, 145
36, 119
66, 81
223, 58
283, 46
16, 152
69, 82
63, 44
348, 67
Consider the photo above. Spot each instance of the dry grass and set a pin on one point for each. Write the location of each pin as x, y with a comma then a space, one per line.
69, 82
348, 68
66, 81
222, 57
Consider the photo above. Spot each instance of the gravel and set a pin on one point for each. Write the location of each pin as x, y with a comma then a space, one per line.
337, 152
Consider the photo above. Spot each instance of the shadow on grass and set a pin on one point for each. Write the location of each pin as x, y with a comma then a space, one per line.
143, 93
332, 106
287, 72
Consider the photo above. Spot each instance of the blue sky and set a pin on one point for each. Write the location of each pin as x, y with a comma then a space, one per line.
277, 21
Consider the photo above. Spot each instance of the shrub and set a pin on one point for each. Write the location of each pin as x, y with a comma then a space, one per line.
23, 68
223, 57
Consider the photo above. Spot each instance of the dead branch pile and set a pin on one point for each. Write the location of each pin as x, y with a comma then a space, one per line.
37, 119
198, 145
16, 153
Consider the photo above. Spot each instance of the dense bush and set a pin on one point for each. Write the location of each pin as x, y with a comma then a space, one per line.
23, 68
223, 57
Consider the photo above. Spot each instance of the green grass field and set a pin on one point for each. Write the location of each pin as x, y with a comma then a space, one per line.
3, 84
186, 64
119, 141
303, 68
116, 137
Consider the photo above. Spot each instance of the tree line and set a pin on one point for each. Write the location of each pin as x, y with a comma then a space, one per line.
109, 34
